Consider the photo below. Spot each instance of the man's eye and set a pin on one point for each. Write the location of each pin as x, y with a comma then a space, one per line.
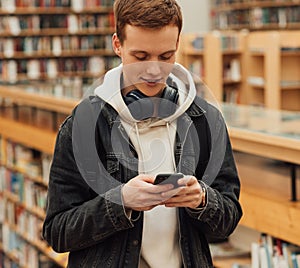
166, 57
141, 58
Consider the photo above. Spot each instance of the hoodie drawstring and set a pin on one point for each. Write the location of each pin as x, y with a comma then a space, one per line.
140, 145
171, 146
143, 170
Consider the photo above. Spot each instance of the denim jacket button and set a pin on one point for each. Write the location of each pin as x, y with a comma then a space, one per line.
135, 242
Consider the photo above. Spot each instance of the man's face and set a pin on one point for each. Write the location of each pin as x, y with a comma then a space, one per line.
148, 56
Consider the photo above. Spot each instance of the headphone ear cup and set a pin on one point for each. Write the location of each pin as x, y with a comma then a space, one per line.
168, 102
140, 106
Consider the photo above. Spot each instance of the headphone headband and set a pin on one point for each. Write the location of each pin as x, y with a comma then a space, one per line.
142, 107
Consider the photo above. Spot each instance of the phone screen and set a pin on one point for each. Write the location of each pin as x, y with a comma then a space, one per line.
168, 178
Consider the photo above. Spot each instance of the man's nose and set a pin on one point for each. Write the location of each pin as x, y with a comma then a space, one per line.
153, 68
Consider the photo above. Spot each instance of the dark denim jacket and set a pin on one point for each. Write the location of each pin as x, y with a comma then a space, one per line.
97, 232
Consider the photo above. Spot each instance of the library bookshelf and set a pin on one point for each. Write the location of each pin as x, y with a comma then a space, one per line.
255, 15
218, 59
61, 57
23, 194
273, 69
26, 148
75, 47
266, 144
268, 66
266, 195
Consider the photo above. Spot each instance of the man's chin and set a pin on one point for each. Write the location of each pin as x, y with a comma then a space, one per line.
151, 89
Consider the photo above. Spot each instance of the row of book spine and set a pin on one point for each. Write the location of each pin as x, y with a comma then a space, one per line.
231, 94
43, 261
270, 252
17, 248
257, 17
231, 69
72, 23
24, 222
228, 2
66, 87
22, 202
35, 3
30, 194
13, 4
227, 42
197, 68
11, 71
35, 117
22, 162
21, 253
53, 45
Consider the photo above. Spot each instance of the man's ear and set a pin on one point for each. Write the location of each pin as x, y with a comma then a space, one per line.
116, 44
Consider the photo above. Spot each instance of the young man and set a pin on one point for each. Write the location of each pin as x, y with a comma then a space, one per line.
145, 119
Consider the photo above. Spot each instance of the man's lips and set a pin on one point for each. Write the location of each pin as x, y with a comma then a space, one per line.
151, 81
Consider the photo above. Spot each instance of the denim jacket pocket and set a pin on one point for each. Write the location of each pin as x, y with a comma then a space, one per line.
113, 166
121, 167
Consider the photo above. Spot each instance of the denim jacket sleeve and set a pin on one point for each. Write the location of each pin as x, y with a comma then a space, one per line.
76, 216
218, 219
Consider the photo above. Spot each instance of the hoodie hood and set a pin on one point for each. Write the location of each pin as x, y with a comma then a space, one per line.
110, 91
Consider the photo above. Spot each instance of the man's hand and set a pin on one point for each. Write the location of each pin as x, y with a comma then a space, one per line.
140, 194
189, 195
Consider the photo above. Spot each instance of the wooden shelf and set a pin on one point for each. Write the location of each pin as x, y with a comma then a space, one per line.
229, 262
265, 197
58, 32
13, 257
18, 95
228, 52
262, 144
253, 4
45, 77
63, 54
193, 52
39, 180
230, 81
251, 15
265, 58
217, 51
27, 135
290, 53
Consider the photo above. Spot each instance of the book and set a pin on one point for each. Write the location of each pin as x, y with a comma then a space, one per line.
289, 252
8, 5
294, 259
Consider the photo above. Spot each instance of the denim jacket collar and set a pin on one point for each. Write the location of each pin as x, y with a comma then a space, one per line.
111, 114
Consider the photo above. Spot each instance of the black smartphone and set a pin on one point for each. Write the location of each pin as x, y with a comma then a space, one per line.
168, 178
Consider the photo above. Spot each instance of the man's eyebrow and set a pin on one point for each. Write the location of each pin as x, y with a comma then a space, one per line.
145, 52
170, 51
138, 51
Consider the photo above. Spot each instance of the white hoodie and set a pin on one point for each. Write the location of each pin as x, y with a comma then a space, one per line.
154, 140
